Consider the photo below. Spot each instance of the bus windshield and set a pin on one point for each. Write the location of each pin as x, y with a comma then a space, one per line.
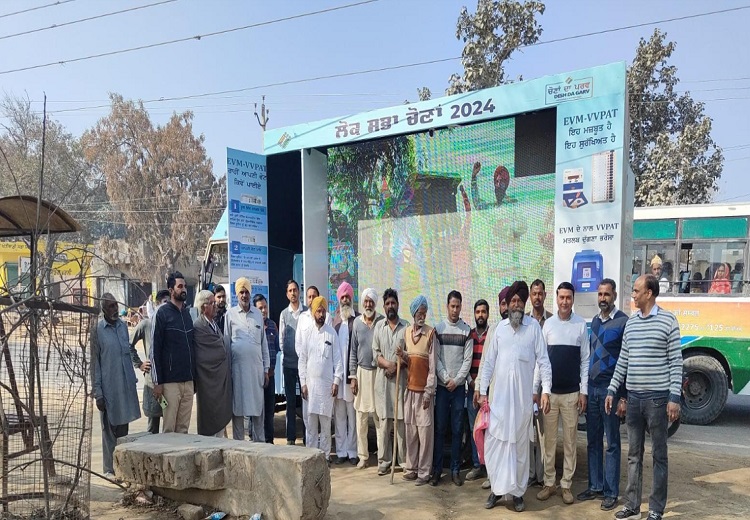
218, 260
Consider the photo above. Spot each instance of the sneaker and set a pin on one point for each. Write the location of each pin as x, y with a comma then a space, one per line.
409, 475
492, 501
589, 494
518, 504
383, 470
653, 515
628, 514
475, 473
420, 482
567, 496
546, 492
486, 484
456, 478
609, 503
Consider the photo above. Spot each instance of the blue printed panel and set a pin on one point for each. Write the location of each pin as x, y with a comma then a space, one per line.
247, 205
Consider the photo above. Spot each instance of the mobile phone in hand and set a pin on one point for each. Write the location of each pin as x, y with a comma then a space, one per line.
163, 403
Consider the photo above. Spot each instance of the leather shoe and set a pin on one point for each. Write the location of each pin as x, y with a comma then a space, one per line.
609, 503
435, 479
589, 495
492, 501
340, 460
518, 504
456, 478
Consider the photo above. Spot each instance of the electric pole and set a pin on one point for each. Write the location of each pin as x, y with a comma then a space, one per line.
263, 116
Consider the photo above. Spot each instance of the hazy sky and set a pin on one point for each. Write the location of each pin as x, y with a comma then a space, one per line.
711, 56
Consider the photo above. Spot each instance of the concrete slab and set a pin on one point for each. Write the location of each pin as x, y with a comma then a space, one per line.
238, 477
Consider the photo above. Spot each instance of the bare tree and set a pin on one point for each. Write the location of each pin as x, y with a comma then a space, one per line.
160, 183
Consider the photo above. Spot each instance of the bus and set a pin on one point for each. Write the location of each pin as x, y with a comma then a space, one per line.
699, 253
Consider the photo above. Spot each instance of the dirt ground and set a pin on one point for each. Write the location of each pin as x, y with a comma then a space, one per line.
702, 485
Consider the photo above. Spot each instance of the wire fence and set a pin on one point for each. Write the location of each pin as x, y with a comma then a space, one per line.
45, 409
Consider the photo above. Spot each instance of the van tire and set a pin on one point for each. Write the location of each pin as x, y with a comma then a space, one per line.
705, 391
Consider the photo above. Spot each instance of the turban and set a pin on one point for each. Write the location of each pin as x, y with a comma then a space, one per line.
242, 283
345, 289
416, 303
656, 260
371, 294
317, 302
502, 294
520, 288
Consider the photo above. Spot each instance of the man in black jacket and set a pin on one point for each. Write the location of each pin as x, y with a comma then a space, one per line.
173, 357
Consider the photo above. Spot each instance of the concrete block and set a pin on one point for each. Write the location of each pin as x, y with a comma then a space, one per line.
190, 512
237, 477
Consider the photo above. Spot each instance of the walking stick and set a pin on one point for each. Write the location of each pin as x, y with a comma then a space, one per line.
395, 420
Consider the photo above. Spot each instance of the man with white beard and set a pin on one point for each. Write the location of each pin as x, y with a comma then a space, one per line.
343, 408
362, 371
517, 346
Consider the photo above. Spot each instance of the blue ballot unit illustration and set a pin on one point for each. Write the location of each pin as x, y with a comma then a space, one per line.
588, 272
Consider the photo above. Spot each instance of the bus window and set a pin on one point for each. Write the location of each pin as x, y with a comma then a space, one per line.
714, 267
659, 260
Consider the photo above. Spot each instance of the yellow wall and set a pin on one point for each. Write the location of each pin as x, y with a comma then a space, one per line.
72, 259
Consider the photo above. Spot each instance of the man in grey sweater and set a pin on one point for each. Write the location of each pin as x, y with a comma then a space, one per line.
362, 371
455, 351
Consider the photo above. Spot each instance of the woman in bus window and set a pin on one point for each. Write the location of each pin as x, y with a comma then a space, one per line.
721, 284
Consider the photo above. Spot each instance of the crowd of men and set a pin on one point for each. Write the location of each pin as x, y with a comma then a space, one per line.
527, 374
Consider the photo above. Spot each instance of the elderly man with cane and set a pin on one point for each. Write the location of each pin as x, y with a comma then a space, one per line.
420, 356
387, 337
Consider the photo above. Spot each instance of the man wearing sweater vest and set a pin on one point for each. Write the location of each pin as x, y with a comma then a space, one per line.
606, 341
568, 348
650, 364
287, 331
420, 357
453, 363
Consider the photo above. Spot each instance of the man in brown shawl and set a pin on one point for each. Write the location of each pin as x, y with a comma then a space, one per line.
213, 377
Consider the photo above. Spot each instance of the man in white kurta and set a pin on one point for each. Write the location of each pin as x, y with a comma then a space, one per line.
343, 407
320, 374
517, 347
250, 361
305, 322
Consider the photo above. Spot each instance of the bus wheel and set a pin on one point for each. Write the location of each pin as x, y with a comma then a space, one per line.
704, 392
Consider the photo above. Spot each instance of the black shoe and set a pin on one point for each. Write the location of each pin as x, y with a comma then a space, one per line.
341, 460
456, 478
354, 461
627, 514
609, 503
589, 495
653, 515
518, 504
492, 501
435, 479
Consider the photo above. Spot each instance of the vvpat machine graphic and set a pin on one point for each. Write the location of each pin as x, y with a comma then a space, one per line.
588, 272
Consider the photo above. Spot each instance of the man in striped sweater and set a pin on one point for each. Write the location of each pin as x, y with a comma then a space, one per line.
455, 351
568, 348
650, 363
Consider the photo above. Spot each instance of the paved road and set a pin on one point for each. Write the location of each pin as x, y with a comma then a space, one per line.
728, 435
